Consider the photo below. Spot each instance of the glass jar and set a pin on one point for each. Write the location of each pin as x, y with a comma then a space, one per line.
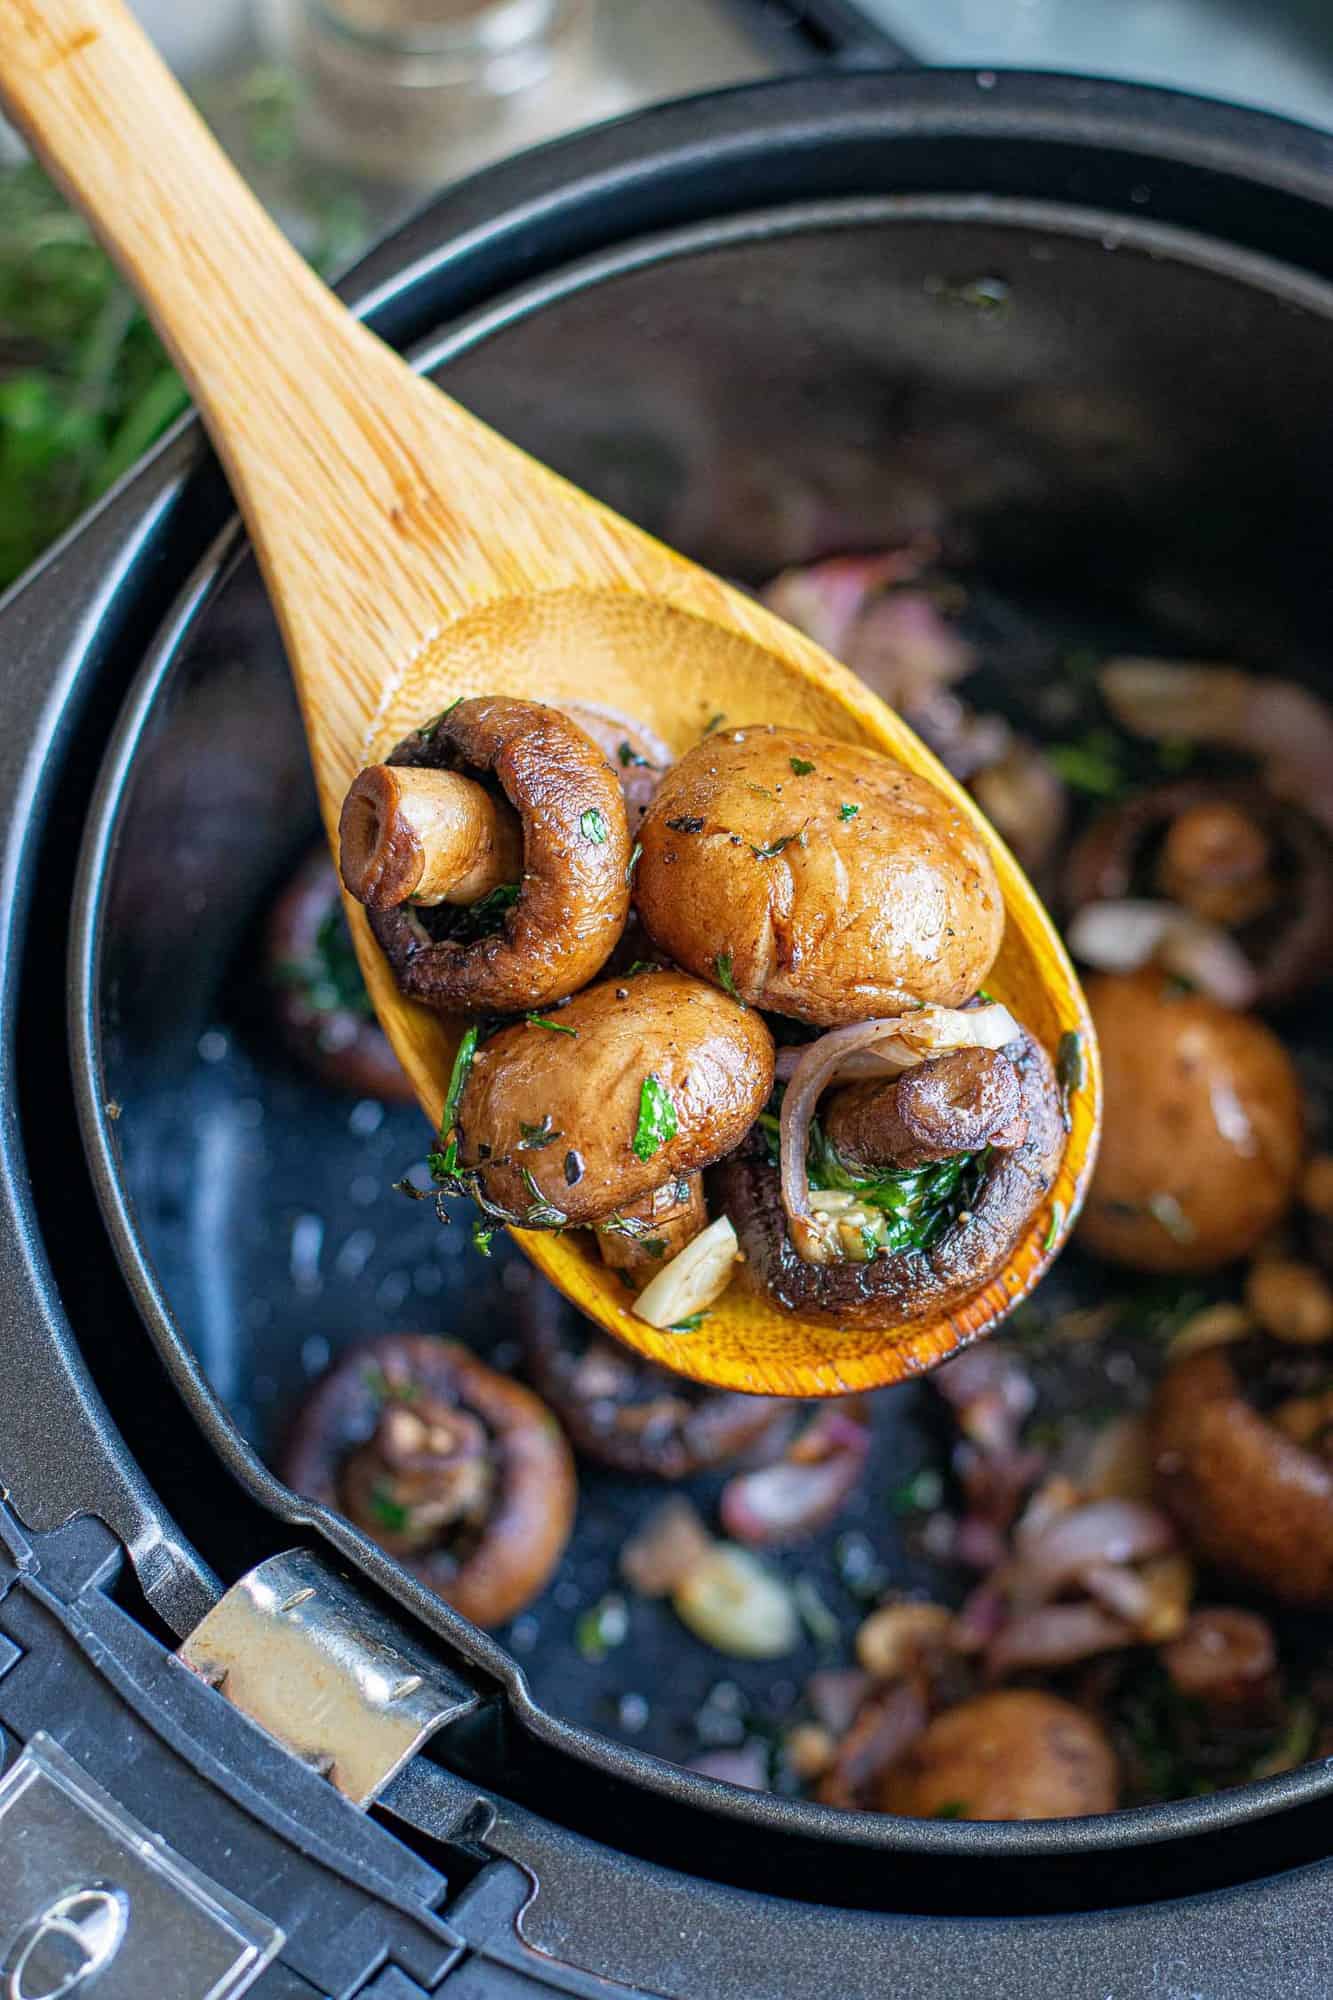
418, 91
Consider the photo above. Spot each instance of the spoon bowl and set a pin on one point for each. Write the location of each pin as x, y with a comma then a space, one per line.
413, 556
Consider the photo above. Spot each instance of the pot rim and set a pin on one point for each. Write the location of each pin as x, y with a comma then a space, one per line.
1106, 1833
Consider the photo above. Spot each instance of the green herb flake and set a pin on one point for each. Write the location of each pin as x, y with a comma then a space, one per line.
386, 1512
722, 965
534, 1137
916, 1204
801, 766
428, 729
690, 1325
444, 1163
483, 1233
846, 812
760, 791
1070, 1070
714, 722
643, 965
484, 917
1056, 1225
602, 1627
593, 827
631, 760
921, 1494
954, 1809
634, 856
1090, 765
775, 847
815, 1615
657, 1118
544, 1021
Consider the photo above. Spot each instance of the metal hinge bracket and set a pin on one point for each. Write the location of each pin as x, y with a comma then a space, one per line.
321, 1670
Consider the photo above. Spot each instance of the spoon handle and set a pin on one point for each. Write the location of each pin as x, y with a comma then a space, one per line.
328, 439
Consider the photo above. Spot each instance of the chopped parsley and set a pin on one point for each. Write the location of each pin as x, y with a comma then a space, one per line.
955, 1809
386, 1512
428, 729
917, 1204
633, 862
722, 963
486, 916
544, 1021
602, 1627
657, 1118
773, 847
801, 765
330, 979
593, 826
848, 812
713, 722
534, 1137
690, 1325
483, 1233
1091, 765
1070, 1070
629, 757
444, 1163
1057, 1223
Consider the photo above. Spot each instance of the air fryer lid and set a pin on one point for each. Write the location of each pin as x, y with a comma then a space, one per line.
759, 390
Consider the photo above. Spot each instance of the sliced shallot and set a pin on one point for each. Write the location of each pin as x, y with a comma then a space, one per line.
1123, 935
1056, 1636
805, 1488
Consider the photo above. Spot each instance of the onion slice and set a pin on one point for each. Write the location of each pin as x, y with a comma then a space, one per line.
899, 1041
805, 1489
1124, 934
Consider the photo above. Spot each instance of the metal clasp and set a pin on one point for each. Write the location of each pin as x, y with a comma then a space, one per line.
321, 1670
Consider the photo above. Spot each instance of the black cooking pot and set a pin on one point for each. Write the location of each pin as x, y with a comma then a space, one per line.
1079, 331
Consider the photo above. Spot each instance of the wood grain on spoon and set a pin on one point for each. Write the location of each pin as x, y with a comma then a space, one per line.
413, 556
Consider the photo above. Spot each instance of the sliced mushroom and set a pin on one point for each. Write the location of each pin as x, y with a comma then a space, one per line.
657, 1229
1247, 1496
460, 1473
955, 1104
816, 878
1231, 854
622, 1411
1016, 1754
538, 936
1204, 1128
971, 1246
637, 1083
319, 999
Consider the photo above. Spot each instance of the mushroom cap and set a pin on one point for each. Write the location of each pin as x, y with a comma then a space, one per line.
712, 1058
756, 868
1204, 1128
574, 895
1015, 1754
909, 1284
1247, 1497
500, 1570
627, 1413
955, 1103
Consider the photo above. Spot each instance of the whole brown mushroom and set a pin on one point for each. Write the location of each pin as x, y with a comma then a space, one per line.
1204, 1129
1247, 1495
1014, 1754
955, 1104
637, 1083
816, 879
487, 903
460, 1473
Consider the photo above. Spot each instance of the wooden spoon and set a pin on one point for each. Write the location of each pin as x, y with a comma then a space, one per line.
413, 556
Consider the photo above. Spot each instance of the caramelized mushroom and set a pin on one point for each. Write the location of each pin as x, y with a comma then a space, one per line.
969, 1243
1231, 854
319, 998
622, 1411
461, 1474
1249, 1497
1015, 1754
636, 1084
1204, 1128
657, 1228
955, 1104
816, 879
1226, 1660
533, 938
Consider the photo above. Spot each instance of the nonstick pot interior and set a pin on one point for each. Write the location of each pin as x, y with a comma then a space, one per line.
1121, 432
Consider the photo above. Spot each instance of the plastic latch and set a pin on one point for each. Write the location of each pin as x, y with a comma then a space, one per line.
307, 1658
90, 1900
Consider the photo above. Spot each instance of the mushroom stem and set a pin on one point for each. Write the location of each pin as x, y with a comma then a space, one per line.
672, 1216
412, 833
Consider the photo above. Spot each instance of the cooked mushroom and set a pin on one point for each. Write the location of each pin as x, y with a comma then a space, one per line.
943, 1231
573, 1120
1248, 1496
543, 929
1015, 1754
954, 1104
1204, 1128
1232, 856
624, 1412
319, 999
816, 878
1227, 1661
461, 1474
656, 1229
